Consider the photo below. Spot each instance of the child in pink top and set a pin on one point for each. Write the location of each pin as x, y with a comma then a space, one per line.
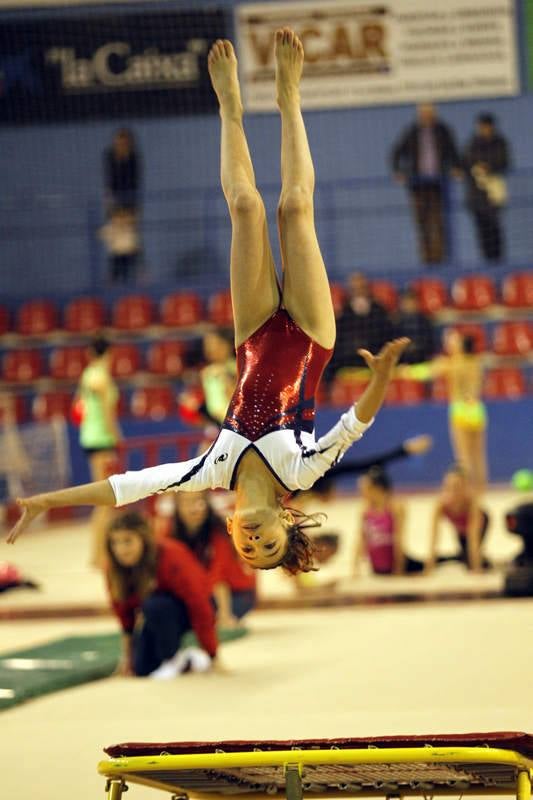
382, 527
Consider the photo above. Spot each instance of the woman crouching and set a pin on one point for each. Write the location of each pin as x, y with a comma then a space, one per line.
167, 584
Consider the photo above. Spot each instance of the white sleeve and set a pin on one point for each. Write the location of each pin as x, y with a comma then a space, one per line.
330, 448
185, 476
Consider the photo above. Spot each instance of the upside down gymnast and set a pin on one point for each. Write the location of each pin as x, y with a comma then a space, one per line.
284, 336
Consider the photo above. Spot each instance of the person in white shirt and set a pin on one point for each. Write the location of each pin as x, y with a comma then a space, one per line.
284, 338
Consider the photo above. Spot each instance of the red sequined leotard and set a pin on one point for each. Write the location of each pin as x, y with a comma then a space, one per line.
279, 368
271, 412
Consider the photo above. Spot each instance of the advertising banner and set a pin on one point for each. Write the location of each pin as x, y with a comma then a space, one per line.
361, 53
69, 67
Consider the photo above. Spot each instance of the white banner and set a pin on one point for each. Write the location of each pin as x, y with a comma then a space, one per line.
359, 53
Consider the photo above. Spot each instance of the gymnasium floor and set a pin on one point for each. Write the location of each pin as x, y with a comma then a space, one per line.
366, 670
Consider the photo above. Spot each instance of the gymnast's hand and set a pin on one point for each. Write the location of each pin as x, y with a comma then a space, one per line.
383, 364
31, 508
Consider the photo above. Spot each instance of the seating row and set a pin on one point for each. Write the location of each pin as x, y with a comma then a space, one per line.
24, 365
67, 363
160, 402
86, 315
506, 383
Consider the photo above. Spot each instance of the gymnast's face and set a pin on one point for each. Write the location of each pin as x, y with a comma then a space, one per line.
127, 547
260, 535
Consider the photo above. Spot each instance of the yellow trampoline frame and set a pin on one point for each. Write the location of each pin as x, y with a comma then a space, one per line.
121, 771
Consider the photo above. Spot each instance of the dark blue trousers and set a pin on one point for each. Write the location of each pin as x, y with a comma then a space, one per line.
242, 602
166, 621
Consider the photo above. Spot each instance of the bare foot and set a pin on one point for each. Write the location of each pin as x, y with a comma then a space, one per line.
222, 65
289, 64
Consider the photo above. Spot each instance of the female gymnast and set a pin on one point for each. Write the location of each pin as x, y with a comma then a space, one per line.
462, 369
284, 338
459, 504
100, 432
382, 527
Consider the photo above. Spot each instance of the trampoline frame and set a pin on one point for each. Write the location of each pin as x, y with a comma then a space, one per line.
120, 771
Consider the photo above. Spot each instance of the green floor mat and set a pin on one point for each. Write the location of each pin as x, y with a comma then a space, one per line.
68, 662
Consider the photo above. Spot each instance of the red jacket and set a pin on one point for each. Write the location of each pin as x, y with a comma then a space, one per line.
180, 574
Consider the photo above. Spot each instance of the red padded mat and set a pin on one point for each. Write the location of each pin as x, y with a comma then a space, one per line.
521, 742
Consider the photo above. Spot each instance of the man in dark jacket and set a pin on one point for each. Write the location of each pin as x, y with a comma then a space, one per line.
486, 160
411, 322
422, 159
363, 323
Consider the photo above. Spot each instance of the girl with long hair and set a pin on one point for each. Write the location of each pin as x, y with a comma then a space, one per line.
284, 338
164, 582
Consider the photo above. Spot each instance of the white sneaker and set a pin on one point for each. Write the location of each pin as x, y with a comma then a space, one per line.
166, 670
192, 659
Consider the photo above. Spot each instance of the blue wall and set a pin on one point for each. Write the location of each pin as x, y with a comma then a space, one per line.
50, 206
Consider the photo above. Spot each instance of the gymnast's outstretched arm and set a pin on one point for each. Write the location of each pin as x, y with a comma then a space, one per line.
98, 493
118, 490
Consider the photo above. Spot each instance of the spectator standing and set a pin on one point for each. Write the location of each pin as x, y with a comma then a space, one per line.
363, 323
417, 326
422, 159
486, 160
122, 172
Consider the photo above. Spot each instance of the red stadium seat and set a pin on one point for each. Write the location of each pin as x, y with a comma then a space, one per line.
84, 315
507, 383
125, 360
68, 362
404, 392
166, 358
345, 392
132, 313
478, 333
51, 404
432, 294
338, 297
153, 402
385, 294
181, 309
4, 320
22, 366
473, 293
18, 408
220, 310
517, 290
36, 317
513, 338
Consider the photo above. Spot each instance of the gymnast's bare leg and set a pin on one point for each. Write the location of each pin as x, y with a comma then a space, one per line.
254, 287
